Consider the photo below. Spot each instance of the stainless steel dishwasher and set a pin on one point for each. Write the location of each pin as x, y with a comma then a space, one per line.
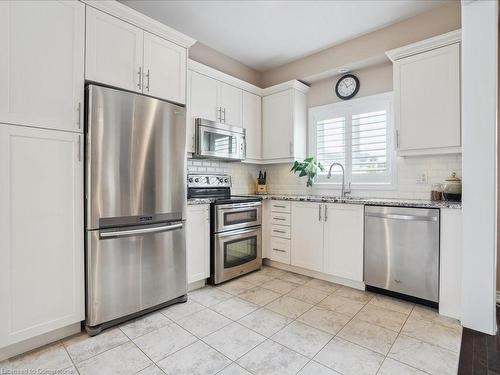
402, 250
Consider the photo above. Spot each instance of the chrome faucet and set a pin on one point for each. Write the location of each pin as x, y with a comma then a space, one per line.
343, 192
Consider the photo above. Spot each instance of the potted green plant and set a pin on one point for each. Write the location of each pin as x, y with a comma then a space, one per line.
309, 167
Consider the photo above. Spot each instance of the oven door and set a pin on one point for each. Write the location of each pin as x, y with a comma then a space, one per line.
236, 253
237, 216
220, 142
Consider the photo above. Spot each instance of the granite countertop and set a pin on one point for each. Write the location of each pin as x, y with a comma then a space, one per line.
366, 201
350, 200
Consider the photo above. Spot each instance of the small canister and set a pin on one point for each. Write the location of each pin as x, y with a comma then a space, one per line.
452, 190
436, 192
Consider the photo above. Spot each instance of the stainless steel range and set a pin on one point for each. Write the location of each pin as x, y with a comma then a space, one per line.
236, 232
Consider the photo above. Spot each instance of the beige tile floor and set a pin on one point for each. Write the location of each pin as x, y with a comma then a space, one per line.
268, 322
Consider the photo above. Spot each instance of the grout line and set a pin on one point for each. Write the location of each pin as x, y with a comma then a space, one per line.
71, 359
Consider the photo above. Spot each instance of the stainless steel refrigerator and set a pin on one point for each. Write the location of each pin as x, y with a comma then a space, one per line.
135, 205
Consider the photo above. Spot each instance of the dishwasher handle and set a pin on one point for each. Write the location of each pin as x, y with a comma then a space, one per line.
402, 217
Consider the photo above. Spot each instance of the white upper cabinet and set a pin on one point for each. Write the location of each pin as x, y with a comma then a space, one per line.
343, 241
125, 56
198, 242
164, 69
41, 231
284, 123
427, 96
42, 63
229, 101
252, 122
307, 235
202, 103
114, 51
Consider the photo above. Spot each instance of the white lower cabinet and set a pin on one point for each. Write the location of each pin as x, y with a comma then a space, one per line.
343, 241
41, 232
307, 235
198, 242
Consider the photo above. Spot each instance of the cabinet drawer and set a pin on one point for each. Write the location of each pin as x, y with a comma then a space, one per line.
280, 218
280, 250
280, 206
282, 231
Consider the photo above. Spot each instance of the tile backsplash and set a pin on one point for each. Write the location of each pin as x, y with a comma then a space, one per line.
243, 175
413, 179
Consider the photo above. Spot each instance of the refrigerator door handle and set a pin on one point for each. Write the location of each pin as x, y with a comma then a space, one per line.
131, 232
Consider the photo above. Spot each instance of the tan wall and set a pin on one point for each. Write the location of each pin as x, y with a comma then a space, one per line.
367, 47
208, 56
373, 80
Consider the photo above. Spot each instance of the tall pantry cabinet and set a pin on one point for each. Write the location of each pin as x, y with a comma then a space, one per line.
41, 167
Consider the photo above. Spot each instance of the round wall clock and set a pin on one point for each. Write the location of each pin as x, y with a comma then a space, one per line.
347, 86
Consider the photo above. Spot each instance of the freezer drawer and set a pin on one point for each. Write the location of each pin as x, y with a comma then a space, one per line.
131, 269
402, 250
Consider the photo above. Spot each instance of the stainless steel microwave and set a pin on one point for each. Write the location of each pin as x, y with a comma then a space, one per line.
219, 141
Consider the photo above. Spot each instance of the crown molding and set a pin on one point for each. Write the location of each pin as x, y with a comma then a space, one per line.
140, 20
293, 84
223, 77
425, 45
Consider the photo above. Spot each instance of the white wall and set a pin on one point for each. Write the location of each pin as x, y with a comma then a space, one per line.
479, 126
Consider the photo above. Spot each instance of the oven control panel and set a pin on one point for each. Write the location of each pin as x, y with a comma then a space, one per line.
208, 180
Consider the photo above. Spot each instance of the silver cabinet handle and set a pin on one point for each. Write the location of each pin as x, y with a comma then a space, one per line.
280, 250
79, 148
224, 114
219, 114
279, 206
402, 217
131, 232
79, 115
139, 85
279, 218
397, 138
148, 74
319, 212
326, 212
278, 231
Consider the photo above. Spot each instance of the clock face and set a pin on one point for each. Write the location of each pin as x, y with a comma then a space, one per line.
347, 86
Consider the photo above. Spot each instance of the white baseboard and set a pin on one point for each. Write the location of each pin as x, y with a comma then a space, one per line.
39, 341
317, 275
196, 285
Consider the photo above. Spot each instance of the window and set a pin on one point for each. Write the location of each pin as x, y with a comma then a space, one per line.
357, 134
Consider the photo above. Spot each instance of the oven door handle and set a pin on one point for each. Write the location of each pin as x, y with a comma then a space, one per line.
237, 232
238, 206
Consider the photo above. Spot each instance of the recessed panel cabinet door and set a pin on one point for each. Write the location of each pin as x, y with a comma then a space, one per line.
202, 104
251, 121
230, 101
164, 69
427, 100
41, 231
114, 51
277, 120
343, 240
198, 242
307, 235
42, 63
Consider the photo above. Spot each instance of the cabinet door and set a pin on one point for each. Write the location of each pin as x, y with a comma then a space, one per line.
343, 241
251, 121
198, 242
427, 99
230, 101
164, 69
277, 125
42, 63
114, 51
41, 232
202, 103
307, 235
